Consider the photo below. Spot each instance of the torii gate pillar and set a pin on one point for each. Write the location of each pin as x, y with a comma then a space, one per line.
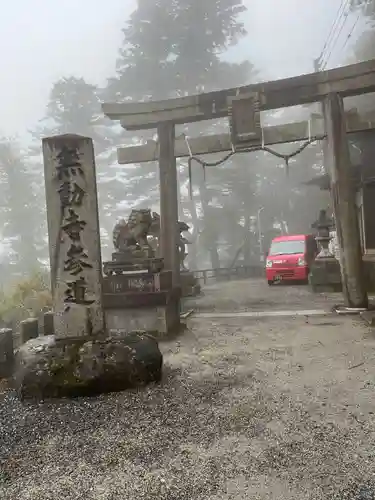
344, 205
169, 234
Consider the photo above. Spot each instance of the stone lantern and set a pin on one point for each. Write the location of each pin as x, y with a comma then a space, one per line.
325, 273
323, 225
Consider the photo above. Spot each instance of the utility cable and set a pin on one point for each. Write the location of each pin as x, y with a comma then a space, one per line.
364, 9
350, 33
345, 19
331, 31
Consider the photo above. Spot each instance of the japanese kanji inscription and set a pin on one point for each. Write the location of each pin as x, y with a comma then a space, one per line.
73, 228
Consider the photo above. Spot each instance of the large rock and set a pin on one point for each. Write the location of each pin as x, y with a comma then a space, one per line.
46, 367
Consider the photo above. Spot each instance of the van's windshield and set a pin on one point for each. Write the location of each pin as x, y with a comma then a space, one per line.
287, 247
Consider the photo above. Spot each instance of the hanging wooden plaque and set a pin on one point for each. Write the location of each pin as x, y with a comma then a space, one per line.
244, 120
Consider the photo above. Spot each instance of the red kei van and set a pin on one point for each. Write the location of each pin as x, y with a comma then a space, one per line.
290, 257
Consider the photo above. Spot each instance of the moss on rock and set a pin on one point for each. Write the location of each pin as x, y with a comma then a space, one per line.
46, 367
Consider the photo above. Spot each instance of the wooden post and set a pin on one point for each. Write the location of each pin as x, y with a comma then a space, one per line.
344, 204
48, 328
6, 352
168, 201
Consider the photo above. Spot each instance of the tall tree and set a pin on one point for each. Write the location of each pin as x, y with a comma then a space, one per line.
21, 211
74, 107
172, 48
364, 47
365, 7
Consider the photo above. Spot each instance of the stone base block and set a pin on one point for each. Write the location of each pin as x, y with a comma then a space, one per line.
46, 367
325, 275
6, 352
162, 320
48, 324
29, 329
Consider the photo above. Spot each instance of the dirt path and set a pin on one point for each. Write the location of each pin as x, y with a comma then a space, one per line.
250, 409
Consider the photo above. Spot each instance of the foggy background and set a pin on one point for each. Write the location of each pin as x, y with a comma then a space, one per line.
59, 64
40, 43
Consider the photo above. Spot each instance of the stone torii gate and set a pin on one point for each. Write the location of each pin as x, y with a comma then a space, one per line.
243, 106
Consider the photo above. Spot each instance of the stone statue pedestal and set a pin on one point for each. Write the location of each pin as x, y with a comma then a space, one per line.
325, 272
141, 300
133, 260
138, 292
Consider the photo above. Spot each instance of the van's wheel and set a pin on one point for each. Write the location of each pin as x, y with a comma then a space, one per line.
270, 282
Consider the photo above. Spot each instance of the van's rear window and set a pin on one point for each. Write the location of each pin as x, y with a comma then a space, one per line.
287, 247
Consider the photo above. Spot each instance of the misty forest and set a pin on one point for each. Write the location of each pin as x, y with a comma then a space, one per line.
162, 56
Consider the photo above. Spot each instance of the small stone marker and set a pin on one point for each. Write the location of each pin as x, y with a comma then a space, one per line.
29, 329
48, 328
6, 352
74, 239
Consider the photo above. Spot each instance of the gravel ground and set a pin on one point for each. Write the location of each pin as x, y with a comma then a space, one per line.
248, 409
256, 295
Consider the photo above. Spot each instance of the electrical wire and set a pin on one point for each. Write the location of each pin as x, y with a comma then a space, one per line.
350, 33
332, 29
364, 8
344, 16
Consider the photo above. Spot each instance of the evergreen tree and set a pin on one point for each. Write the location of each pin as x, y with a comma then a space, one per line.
364, 46
21, 211
74, 107
365, 7
173, 48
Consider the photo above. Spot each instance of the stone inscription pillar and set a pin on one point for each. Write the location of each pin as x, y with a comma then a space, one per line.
73, 233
